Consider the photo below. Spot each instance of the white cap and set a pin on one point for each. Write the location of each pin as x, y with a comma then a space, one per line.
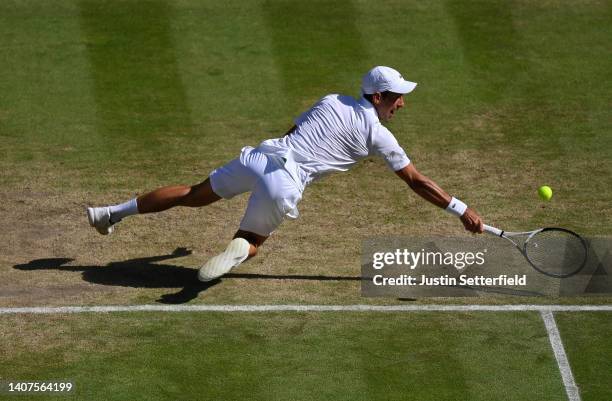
382, 79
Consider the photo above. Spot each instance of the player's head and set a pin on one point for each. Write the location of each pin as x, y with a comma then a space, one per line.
385, 87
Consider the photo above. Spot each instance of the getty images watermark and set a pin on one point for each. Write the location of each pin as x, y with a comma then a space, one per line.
410, 267
458, 260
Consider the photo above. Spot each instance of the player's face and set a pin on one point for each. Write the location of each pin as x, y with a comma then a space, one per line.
386, 106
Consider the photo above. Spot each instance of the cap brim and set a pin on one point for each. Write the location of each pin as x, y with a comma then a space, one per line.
403, 87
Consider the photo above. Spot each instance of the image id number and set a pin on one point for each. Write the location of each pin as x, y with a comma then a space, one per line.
38, 387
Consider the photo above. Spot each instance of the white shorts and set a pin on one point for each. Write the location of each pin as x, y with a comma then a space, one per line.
274, 194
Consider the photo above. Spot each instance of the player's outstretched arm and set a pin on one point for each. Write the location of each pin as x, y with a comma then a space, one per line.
430, 191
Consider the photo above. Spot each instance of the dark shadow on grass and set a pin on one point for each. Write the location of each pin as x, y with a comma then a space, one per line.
137, 273
292, 277
147, 273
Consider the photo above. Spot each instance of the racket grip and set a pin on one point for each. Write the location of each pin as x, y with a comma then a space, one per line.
493, 230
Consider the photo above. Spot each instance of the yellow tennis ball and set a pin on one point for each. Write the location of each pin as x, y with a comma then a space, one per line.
545, 192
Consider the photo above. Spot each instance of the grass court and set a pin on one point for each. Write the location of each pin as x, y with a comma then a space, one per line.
101, 101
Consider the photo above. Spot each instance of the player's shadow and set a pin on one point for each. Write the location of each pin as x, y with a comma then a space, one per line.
138, 273
292, 277
148, 273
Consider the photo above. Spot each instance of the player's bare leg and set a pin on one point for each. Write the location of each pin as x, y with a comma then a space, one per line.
178, 195
242, 247
103, 218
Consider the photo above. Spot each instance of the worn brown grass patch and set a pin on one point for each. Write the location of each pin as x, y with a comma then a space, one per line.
50, 255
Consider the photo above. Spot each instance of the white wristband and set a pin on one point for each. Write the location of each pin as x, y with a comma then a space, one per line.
456, 207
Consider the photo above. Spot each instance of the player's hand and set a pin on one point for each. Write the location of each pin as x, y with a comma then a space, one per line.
472, 221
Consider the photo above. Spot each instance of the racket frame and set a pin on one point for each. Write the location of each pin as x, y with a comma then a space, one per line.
529, 234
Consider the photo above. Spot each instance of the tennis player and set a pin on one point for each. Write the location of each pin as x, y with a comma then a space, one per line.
332, 136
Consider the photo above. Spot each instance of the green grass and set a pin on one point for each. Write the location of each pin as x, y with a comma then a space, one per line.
297, 356
103, 100
589, 350
134, 86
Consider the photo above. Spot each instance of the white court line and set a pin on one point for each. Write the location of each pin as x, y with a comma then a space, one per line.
307, 308
571, 388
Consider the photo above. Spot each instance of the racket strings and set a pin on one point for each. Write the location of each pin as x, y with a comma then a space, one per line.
556, 252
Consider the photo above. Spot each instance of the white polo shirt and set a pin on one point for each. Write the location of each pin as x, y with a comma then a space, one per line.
334, 135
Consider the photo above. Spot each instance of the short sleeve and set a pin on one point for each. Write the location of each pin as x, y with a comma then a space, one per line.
383, 143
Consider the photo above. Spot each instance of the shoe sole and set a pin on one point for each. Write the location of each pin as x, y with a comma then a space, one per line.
236, 253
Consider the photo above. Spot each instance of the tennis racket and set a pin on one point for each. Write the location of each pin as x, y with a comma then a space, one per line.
556, 252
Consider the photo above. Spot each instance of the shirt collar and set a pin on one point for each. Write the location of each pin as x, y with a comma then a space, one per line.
369, 108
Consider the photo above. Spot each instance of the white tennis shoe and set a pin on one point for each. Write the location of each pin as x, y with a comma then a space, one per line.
237, 252
99, 217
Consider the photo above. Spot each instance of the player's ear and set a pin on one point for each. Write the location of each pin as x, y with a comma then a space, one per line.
376, 98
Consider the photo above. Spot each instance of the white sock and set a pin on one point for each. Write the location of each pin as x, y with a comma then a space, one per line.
122, 210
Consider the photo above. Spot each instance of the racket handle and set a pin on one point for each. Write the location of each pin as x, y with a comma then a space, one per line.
493, 230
